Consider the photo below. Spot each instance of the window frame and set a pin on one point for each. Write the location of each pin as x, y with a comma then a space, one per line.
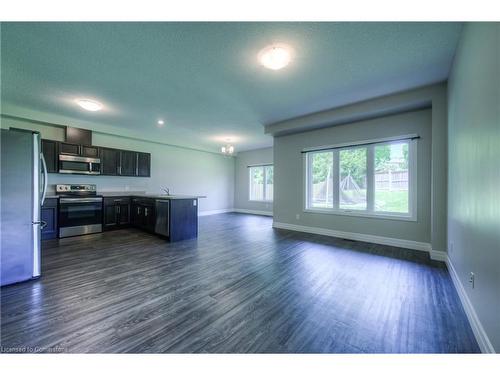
264, 174
369, 212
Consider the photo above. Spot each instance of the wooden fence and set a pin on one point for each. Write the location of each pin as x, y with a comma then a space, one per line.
391, 180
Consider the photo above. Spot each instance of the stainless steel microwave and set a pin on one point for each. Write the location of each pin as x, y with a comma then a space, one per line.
79, 165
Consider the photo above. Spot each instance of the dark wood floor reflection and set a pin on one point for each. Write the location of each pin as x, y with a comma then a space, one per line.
240, 287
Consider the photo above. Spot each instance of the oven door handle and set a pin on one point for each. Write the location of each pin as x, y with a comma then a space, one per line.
79, 200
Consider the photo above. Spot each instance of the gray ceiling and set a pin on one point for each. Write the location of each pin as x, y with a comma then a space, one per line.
204, 78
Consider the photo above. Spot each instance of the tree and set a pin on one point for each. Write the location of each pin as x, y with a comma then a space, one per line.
382, 156
322, 164
384, 161
258, 175
353, 162
405, 156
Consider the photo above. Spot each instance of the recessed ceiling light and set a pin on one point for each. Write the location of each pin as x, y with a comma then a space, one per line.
160, 122
276, 56
89, 105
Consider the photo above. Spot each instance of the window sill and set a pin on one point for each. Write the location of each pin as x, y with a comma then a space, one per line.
261, 201
370, 215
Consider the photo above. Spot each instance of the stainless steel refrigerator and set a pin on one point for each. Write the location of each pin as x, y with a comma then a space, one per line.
23, 186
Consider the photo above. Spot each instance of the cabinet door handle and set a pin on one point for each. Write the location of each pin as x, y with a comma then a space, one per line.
118, 209
145, 211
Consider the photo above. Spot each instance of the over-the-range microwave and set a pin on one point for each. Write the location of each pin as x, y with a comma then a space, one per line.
79, 165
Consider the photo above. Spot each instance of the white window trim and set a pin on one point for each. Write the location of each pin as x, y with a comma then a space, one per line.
369, 212
263, 186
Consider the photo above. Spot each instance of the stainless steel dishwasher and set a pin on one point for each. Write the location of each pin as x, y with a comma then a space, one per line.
162, 225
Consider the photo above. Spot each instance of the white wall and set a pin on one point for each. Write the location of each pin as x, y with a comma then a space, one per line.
289, 176
241, 192
184, 171
433, 96
474, 173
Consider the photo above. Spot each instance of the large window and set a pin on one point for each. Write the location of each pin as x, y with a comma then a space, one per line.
376, 179
261, 183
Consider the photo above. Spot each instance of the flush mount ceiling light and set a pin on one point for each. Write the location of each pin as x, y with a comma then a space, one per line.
160, 123
275, 56
89, 104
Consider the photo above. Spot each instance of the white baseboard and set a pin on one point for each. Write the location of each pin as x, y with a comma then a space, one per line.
438, 255
407, 244
215, 212
239, 210
253, 212
481, 336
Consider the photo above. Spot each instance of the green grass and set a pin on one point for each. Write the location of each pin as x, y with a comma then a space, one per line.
391, 201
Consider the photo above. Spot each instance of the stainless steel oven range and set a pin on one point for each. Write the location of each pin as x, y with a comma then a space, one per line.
80, 210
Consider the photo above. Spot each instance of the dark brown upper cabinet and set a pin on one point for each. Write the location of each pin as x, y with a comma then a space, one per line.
128, 163
114, 162
50, 152
90, 151
110, 161
143, 164
69, 149
78, 136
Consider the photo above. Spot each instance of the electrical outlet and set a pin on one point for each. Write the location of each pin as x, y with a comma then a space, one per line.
297, 216
471, 279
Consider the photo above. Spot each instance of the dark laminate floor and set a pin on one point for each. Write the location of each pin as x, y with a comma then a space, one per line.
240, 287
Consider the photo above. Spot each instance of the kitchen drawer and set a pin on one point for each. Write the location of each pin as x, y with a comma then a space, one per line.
116, 200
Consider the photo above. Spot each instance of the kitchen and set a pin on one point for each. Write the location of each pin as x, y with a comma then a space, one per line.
66, 210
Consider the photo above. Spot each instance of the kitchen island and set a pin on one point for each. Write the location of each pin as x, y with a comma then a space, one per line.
174, 217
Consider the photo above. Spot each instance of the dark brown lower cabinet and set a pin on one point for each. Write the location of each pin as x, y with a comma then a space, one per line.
143, 213
116, 213
49, 217
183, 219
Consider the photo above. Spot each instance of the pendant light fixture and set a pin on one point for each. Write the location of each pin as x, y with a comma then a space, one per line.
228, 148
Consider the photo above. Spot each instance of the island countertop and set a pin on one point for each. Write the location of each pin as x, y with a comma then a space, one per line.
142, 194
139, 194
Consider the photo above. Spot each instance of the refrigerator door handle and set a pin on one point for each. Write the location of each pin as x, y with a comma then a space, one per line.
45, 180
42, 223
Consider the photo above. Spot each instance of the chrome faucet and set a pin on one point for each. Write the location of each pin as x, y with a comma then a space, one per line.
166, 190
